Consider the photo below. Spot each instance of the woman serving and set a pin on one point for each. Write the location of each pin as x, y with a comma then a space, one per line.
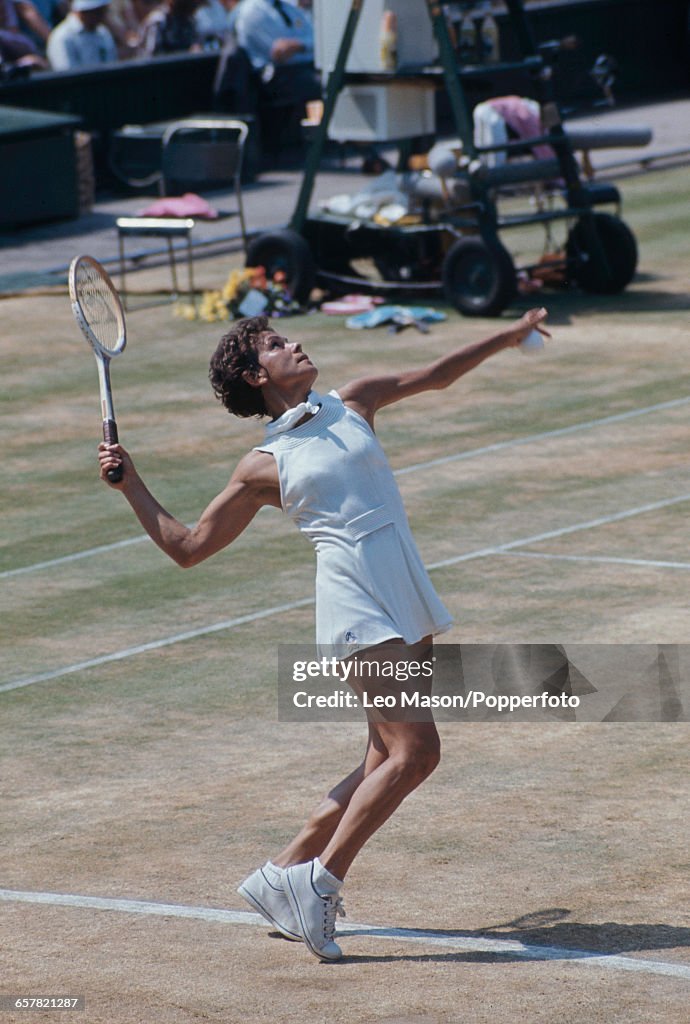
320, 461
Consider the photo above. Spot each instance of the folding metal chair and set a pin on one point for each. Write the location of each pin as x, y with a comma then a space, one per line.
204, 153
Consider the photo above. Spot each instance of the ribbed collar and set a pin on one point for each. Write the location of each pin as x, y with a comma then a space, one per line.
292, 416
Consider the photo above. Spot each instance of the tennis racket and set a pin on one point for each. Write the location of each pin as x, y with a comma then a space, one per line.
98, 311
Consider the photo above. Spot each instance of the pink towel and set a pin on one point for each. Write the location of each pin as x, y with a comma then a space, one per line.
522, 117
188, 205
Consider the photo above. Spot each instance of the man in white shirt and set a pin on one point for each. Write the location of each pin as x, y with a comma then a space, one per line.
275, 31
278, 38
82, 40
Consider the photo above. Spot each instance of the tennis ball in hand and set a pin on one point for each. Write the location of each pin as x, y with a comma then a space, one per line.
532, 343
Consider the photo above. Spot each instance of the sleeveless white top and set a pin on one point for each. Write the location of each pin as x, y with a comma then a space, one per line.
338, 488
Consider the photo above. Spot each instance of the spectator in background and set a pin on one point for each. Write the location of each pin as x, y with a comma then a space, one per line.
278, 38
124, 23
82, 40
215, 22
18, 51
52, 12
18, 15
171, 28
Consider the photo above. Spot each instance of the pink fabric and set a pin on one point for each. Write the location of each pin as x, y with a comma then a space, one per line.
522, 117
350, 304
188, 205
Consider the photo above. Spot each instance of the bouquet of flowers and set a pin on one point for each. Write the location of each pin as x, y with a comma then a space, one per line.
247, 292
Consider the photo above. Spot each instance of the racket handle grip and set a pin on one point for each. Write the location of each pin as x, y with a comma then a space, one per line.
110, 437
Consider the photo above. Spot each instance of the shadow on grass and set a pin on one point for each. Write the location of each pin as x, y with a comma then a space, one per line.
563, 305
548, 929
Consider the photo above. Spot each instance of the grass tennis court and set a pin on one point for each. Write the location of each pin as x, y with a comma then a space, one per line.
142, 758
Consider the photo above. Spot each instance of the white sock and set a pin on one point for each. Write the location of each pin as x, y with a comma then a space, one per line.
324, 878
274, 872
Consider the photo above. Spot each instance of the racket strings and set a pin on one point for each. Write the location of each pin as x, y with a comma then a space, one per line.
100, 308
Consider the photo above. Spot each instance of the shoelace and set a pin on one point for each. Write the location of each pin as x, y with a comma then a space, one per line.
332, 907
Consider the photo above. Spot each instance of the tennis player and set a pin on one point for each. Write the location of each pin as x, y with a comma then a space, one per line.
321, 462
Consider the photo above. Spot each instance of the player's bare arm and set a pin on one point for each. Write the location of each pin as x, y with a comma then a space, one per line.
253, 484
368, 394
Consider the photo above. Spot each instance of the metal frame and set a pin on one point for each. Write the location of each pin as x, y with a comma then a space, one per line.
171, 228
579, 201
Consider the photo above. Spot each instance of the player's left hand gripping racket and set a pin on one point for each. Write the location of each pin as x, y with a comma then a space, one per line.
98, 311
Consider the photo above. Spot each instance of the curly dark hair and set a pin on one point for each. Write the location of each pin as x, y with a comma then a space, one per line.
237, 352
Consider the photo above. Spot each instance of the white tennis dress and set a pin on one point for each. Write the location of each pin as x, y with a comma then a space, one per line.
338, 488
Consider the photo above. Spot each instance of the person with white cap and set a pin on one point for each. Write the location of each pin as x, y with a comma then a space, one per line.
82, 40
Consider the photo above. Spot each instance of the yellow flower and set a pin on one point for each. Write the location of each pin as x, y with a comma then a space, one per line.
235, 281
214, 305
231, 285
210, 307
184, 310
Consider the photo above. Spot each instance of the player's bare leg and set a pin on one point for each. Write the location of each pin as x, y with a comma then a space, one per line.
412, 751
317, 832
265, 889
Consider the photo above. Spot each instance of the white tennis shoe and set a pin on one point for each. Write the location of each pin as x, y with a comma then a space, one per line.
315, 901
265, 891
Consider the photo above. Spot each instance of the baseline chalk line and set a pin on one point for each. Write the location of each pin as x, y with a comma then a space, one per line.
461, 943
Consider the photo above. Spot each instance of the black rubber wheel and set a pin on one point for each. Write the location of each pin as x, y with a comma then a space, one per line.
287, 251
619, 248
478, 276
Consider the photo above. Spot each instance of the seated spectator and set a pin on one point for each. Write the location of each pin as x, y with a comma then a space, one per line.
278, 37
124, 23
18, 51
17, 15
82, 40
52, 12
214, 22
171, 28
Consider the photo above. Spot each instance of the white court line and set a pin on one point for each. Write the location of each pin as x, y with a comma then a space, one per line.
75, 556
403, 471
652, 563
155, 645
465, 944
536, 538
545, 436
497, 549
